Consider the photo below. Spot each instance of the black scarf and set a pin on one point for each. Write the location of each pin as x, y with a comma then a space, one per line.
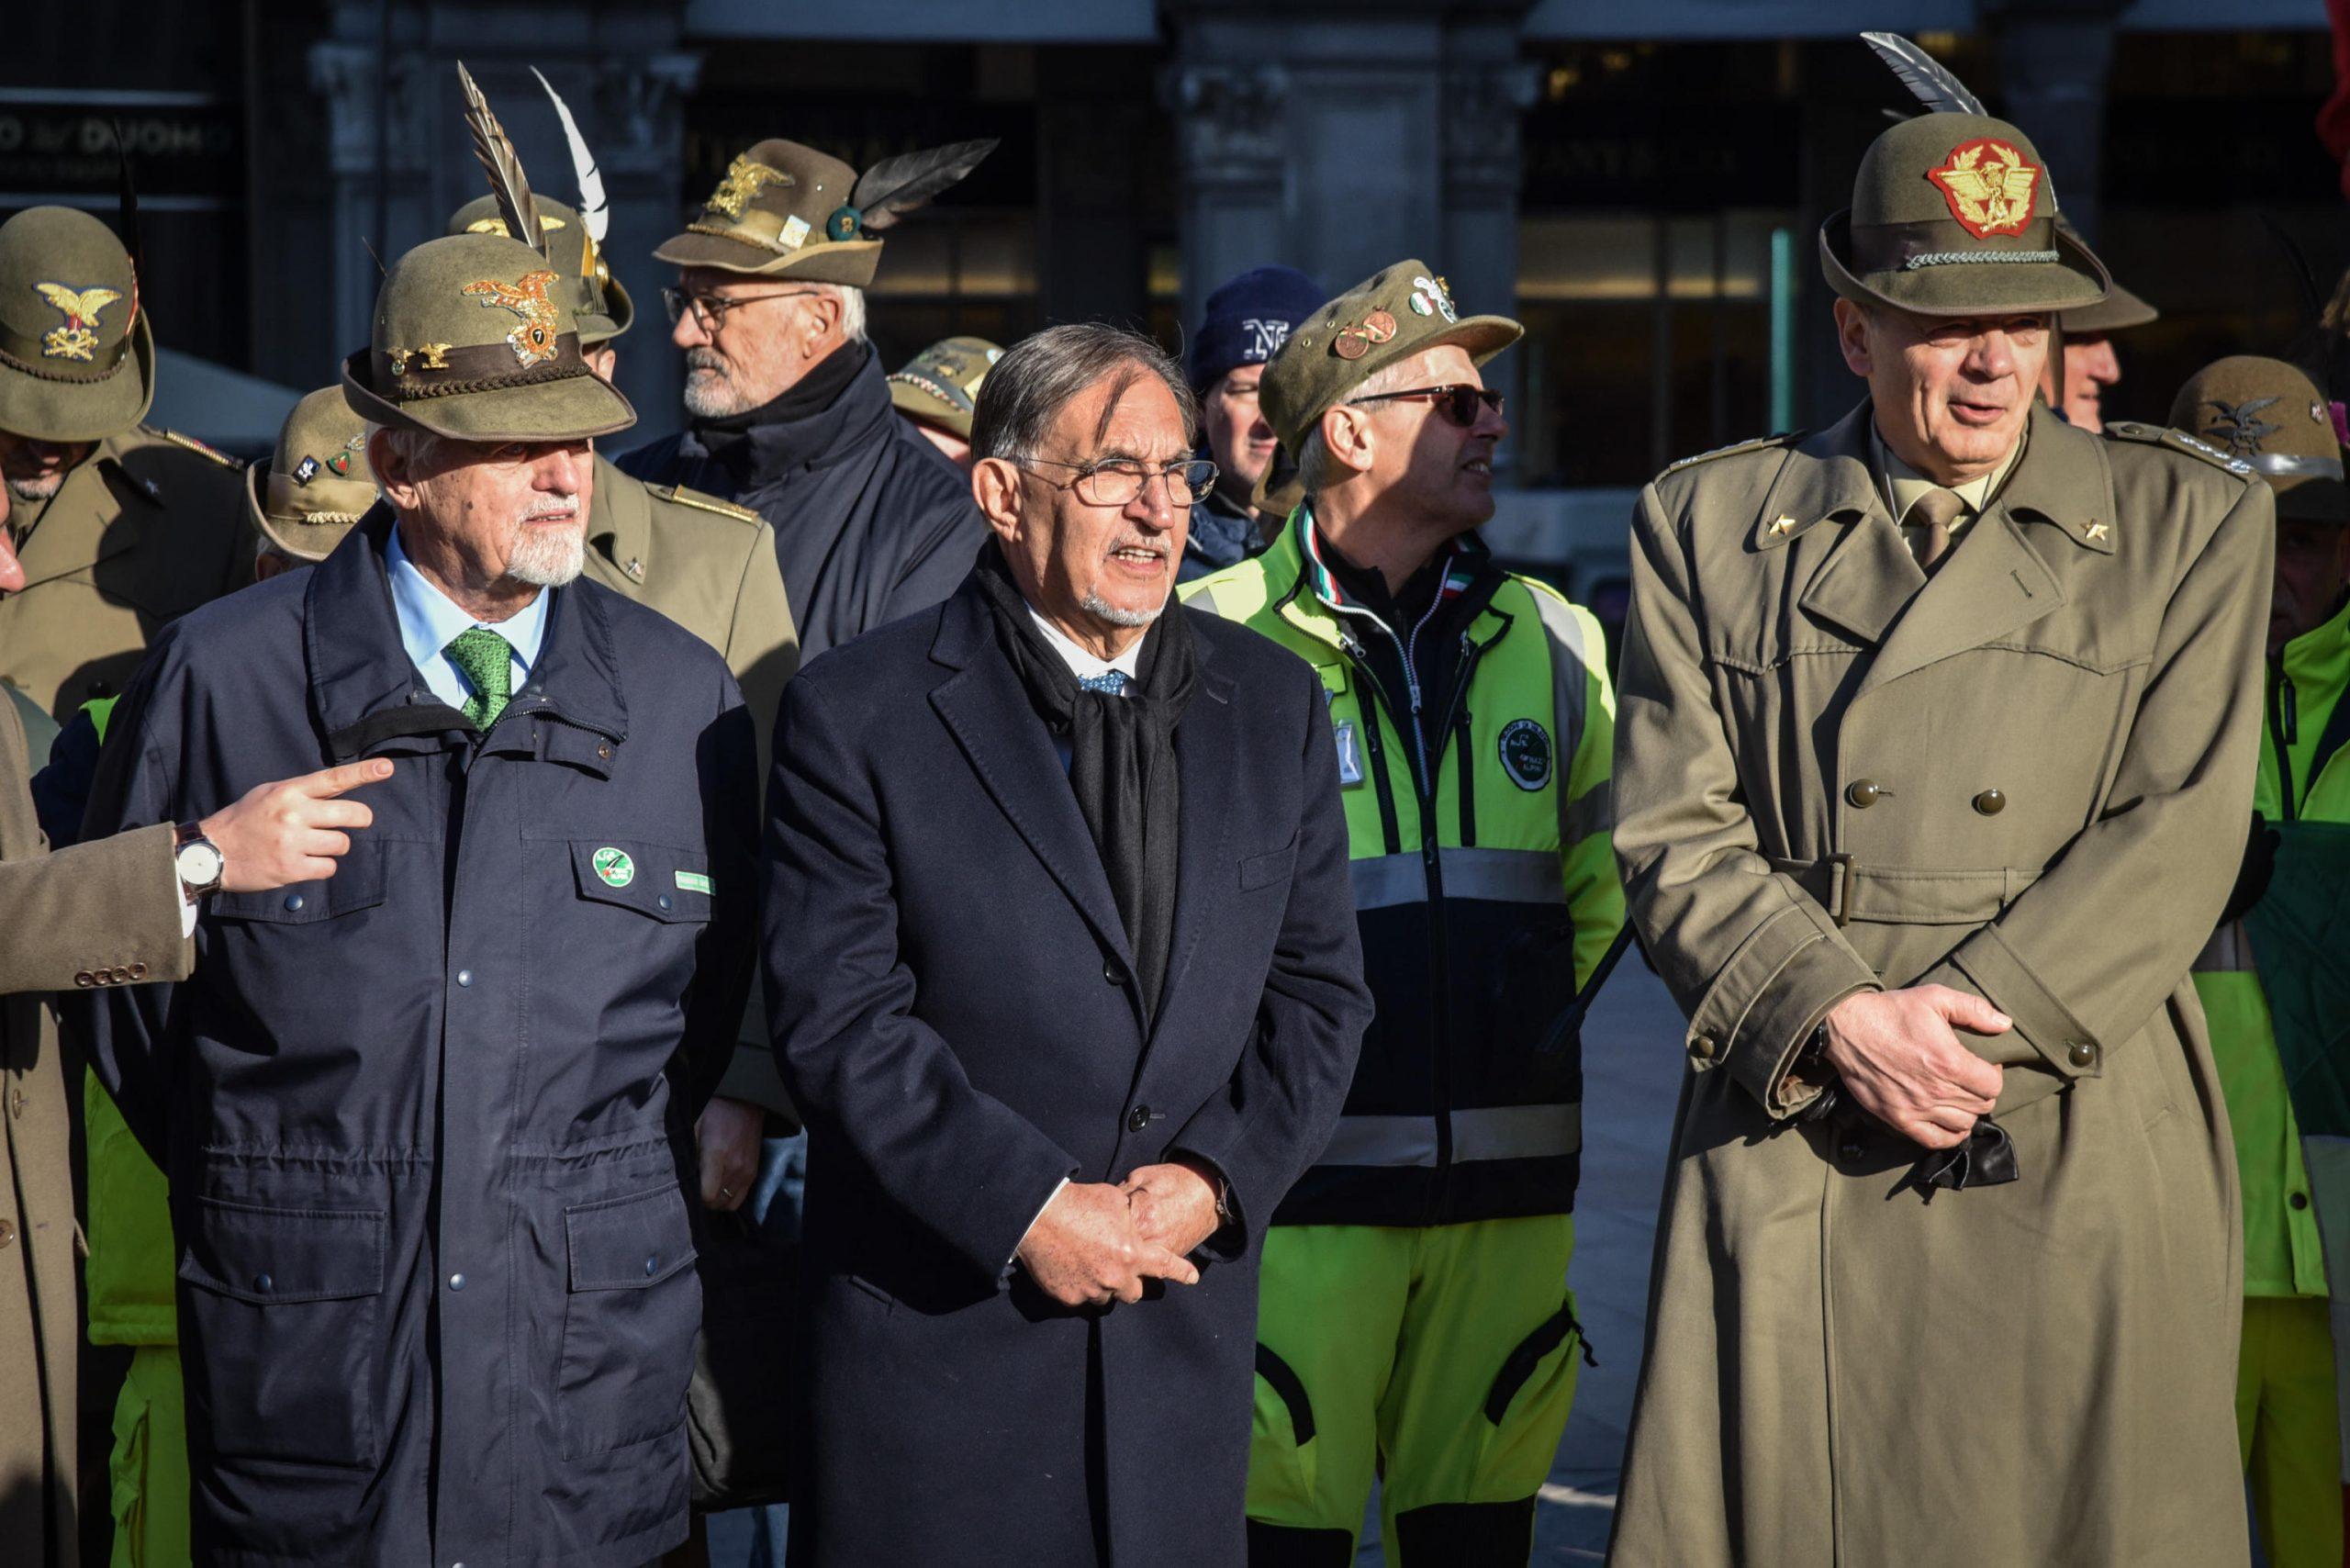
812, 394
1122, 758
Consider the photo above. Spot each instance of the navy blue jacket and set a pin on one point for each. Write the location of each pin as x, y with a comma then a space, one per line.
423, 1119
956, 1014
870, 522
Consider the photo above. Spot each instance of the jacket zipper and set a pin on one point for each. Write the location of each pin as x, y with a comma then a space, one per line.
2284, 730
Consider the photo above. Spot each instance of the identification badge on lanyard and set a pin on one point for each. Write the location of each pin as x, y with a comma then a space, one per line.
1349, 754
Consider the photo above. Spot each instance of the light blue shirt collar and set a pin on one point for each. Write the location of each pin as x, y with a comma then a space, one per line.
430, 621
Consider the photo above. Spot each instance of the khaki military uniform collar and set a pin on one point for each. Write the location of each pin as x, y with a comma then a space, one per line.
1903, 484
619, 521
101, 509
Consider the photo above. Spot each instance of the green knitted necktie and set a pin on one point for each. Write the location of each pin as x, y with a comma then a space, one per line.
485, 660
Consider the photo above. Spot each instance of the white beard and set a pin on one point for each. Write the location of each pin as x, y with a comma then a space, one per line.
709, 394
546, 556
1095, 604
36, 489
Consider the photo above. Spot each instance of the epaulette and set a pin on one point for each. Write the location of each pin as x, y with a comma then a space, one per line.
700, 502
192, 444
1756, 444
2177, 441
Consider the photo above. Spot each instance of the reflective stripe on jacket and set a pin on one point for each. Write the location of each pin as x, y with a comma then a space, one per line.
2304, 775
1485, 889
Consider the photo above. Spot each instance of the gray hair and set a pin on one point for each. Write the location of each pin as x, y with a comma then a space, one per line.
1042, 373
1315, 464
852, 300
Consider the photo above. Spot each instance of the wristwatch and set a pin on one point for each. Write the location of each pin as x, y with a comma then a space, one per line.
199, 861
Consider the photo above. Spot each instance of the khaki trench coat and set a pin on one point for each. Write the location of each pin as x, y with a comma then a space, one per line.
141, 533
1843, 1368
108, 909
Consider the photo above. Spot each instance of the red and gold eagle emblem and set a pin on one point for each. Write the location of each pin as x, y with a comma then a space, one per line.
1988, 186
534, 341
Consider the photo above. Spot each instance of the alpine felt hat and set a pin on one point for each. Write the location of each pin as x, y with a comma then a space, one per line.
475, 339
1396, 312
2271, 415
599, 304
1956, 215
77, 358
940, 385
318, 483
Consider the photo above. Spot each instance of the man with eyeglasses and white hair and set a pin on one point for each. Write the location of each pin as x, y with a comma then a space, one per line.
788, 409
1062, 968
1416, 1323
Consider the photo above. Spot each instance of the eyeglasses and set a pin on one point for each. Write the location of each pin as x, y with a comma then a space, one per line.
710, 309
1456, 402
1117, 481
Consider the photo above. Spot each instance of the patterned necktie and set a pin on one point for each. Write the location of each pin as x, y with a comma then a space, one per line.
1110, 683
485, 659
1931, 515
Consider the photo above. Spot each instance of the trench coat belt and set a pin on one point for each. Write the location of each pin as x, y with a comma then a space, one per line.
1900, 895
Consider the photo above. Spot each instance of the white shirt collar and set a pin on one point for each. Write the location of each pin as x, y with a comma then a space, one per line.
430, 621
1081, 663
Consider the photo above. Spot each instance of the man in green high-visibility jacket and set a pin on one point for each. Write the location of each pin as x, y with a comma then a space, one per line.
2268, 414
1414, 1317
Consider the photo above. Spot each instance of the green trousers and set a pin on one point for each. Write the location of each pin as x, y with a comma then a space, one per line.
2289, 1428
149, 1486
1442, 1360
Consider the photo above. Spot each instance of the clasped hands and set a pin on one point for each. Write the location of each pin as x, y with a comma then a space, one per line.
1098, 1242
1902, 1061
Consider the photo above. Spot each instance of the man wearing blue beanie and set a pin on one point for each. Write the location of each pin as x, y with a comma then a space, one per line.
1248, 320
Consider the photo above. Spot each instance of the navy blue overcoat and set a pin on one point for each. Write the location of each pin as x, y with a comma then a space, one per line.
956, 1016
422, 1120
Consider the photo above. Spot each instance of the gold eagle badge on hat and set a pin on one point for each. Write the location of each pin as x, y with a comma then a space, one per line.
534, 341
1988, 186
80, 307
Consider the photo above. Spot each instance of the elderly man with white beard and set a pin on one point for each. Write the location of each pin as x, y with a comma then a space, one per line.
423, 1119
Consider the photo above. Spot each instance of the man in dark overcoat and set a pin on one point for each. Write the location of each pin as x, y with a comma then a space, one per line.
1030, 853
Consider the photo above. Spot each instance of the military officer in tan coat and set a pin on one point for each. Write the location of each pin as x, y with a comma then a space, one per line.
1935, 746
119, 527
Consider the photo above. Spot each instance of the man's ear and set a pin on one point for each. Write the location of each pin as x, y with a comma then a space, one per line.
824, 311
995, 486
388, 459
1853, 337
1345, 431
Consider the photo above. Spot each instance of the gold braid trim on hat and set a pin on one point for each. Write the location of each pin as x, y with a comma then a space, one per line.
744, 237
52, 370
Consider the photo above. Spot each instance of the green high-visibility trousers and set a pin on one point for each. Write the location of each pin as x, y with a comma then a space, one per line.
2289, 1428
1442, 1358
149, 1482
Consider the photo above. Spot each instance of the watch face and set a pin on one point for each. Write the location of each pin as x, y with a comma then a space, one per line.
199, 865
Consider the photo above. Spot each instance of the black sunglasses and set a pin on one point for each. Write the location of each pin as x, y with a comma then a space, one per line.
1456, 402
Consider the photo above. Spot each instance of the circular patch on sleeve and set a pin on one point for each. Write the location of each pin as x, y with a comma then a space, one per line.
1525, 754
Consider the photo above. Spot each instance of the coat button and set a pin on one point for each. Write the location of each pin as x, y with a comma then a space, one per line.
2082, 1052
8, 1234
664, 901
138, 971
604, 752
1863, 792
1137, 1118
16, 1101
293, 902
2299, 1200
465, 977
456, 1282
1991, 803
652, 1264
84, 980
1110, 973
122, 976
262, 1282
1702, 1048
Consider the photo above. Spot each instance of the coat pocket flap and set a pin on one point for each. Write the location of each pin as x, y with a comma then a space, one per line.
270, 1256
667, 884
357, 884
629, 1243
1264, 871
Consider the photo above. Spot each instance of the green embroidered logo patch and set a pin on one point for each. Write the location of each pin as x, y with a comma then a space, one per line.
614, 866
693, 882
